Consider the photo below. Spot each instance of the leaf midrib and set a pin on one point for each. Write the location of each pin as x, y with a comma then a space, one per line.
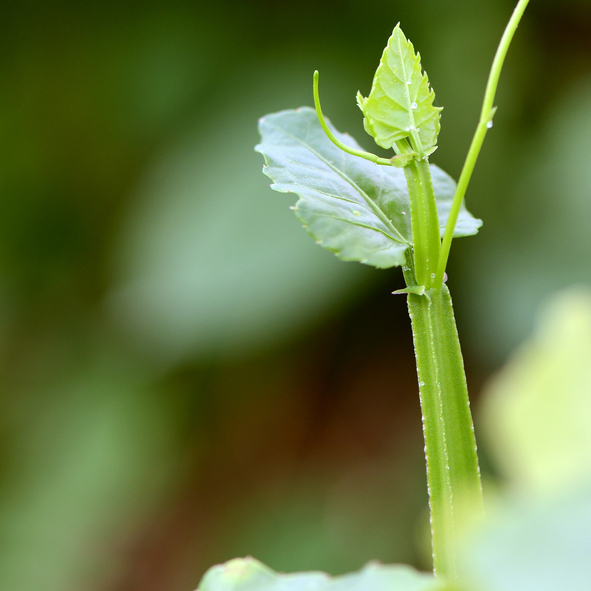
358, 223
406, 78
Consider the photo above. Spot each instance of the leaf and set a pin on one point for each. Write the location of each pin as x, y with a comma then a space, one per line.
248, 574
400, 99
537, 535
445, 188
528, 545
537, 409
355, 208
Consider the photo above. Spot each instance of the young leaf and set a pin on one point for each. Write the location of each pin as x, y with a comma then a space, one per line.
355, 208
248, 574
400, 104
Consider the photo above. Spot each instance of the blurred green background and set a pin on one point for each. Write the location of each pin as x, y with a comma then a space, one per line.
185, 377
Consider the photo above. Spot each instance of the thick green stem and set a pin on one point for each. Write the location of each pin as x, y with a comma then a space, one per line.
450, 447
424, 220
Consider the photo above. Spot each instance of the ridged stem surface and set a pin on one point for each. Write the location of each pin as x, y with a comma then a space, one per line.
450, 446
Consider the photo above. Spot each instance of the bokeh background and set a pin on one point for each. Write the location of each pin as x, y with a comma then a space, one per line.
185, 377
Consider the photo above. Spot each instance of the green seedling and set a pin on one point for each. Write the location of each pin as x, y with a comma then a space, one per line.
388, 212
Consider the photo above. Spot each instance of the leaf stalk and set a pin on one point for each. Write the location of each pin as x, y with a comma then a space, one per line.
486, 115
366, 155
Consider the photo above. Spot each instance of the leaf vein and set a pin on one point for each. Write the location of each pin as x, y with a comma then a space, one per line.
361, 225
373, 206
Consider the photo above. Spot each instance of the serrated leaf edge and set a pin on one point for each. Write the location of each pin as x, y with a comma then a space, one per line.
370, 122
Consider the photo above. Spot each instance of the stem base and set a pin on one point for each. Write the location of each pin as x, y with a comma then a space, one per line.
453, 475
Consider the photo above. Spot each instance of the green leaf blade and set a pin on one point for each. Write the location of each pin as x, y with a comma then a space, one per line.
346, 203
357, 209
400, 100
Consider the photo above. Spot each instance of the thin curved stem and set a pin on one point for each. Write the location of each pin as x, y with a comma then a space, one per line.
366, 155
486, 116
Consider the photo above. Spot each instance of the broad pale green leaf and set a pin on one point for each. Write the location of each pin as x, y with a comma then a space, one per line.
400, 100
525, 544
537, 418
248, 574
538, 408
355, 208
